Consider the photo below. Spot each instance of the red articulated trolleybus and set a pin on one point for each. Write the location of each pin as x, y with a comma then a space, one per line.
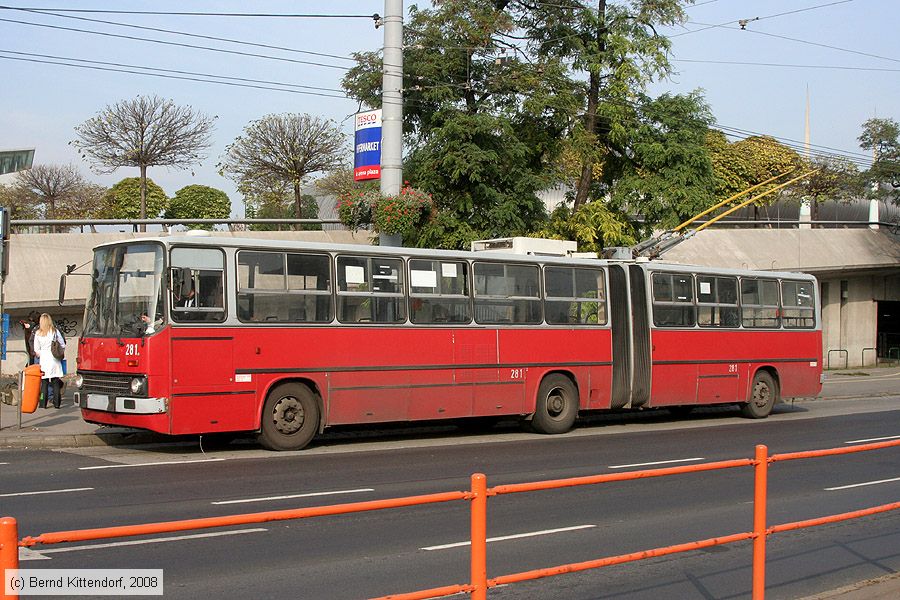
197, 335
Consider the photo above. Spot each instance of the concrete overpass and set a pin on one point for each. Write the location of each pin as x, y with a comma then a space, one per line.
858, 270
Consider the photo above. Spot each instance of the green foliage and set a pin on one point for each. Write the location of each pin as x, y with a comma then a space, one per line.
199, 202
882, 136
505, 99
123, 200
401, 213
665, 173
745, 163
593, 225
354, 207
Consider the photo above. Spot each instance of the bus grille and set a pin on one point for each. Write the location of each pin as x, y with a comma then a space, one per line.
109, 384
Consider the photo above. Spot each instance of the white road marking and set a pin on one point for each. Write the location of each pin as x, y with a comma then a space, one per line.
660, 462
847, 487
84, 489
878, 439
177, 538
288, 497
29, 554
511, 537
152, 464
4, 463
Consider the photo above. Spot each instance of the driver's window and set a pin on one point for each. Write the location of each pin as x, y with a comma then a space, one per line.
196, 285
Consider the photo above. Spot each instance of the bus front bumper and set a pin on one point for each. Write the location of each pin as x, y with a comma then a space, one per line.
121, 404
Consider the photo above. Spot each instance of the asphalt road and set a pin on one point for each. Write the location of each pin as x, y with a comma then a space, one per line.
369, 554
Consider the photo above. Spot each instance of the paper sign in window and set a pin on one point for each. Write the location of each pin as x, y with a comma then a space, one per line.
355, 274
448, 269
425, 279
705, 288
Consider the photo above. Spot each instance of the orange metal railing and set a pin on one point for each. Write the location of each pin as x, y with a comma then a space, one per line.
478, 495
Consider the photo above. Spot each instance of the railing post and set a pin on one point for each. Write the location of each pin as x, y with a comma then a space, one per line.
9, 553
761, 471
479, 537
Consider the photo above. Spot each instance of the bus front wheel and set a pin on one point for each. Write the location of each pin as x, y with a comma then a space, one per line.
290, 417
557, 405
763, 395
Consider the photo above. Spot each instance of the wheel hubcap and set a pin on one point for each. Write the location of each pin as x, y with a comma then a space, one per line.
556, 403
288, 415
761, 394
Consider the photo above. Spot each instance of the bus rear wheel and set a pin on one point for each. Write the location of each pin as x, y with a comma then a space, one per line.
290, 417
763, 395
557, 405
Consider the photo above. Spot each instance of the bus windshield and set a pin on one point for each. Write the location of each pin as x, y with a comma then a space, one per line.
126, 292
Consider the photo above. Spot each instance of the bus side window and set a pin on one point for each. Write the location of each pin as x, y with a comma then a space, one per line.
673, 300
205, 268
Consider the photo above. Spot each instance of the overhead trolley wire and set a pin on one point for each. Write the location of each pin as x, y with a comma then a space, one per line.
169, 13
179, 44
50, 12
175, 71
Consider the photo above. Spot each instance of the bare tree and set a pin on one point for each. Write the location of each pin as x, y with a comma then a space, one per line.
144, 132
50, 185
285, 148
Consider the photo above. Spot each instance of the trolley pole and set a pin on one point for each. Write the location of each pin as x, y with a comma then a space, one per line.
392, 99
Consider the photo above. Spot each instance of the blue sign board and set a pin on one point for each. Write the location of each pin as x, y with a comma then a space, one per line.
367, 146
5, 336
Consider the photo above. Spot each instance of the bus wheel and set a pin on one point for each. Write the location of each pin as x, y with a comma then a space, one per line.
763, 395
557, 405
290, 417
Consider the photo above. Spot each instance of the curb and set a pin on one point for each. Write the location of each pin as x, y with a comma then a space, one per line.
82, 440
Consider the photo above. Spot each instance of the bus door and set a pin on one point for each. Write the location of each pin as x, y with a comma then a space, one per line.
202, 358
619, 308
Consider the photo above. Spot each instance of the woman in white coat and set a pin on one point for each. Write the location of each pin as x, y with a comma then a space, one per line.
51, 367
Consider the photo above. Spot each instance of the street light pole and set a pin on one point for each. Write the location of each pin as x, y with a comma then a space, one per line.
392, 99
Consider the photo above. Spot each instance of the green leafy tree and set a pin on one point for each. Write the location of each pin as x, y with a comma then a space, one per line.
124, 200
508, 98
481, 122
198, 202
283, 150
617, 49
144, 132
745, 163
882, 138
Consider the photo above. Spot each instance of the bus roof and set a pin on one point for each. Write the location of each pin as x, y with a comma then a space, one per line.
179, 239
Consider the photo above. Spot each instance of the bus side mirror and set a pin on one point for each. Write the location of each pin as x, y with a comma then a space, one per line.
62, 288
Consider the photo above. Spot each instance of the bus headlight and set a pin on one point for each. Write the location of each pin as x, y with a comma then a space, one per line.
79, 381
137, 385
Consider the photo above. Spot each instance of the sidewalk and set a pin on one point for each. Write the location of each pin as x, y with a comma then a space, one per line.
63, 428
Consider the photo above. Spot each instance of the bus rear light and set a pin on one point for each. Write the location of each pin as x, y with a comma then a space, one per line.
79, 381
132, 362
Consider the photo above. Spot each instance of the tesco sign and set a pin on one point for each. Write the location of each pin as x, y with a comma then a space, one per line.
367, 146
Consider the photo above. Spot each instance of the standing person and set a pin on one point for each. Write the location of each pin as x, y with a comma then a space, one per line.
51, 367
29, 327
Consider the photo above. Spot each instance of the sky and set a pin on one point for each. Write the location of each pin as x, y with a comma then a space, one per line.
847, 51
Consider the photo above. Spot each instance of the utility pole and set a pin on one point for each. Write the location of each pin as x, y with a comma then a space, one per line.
392, 99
